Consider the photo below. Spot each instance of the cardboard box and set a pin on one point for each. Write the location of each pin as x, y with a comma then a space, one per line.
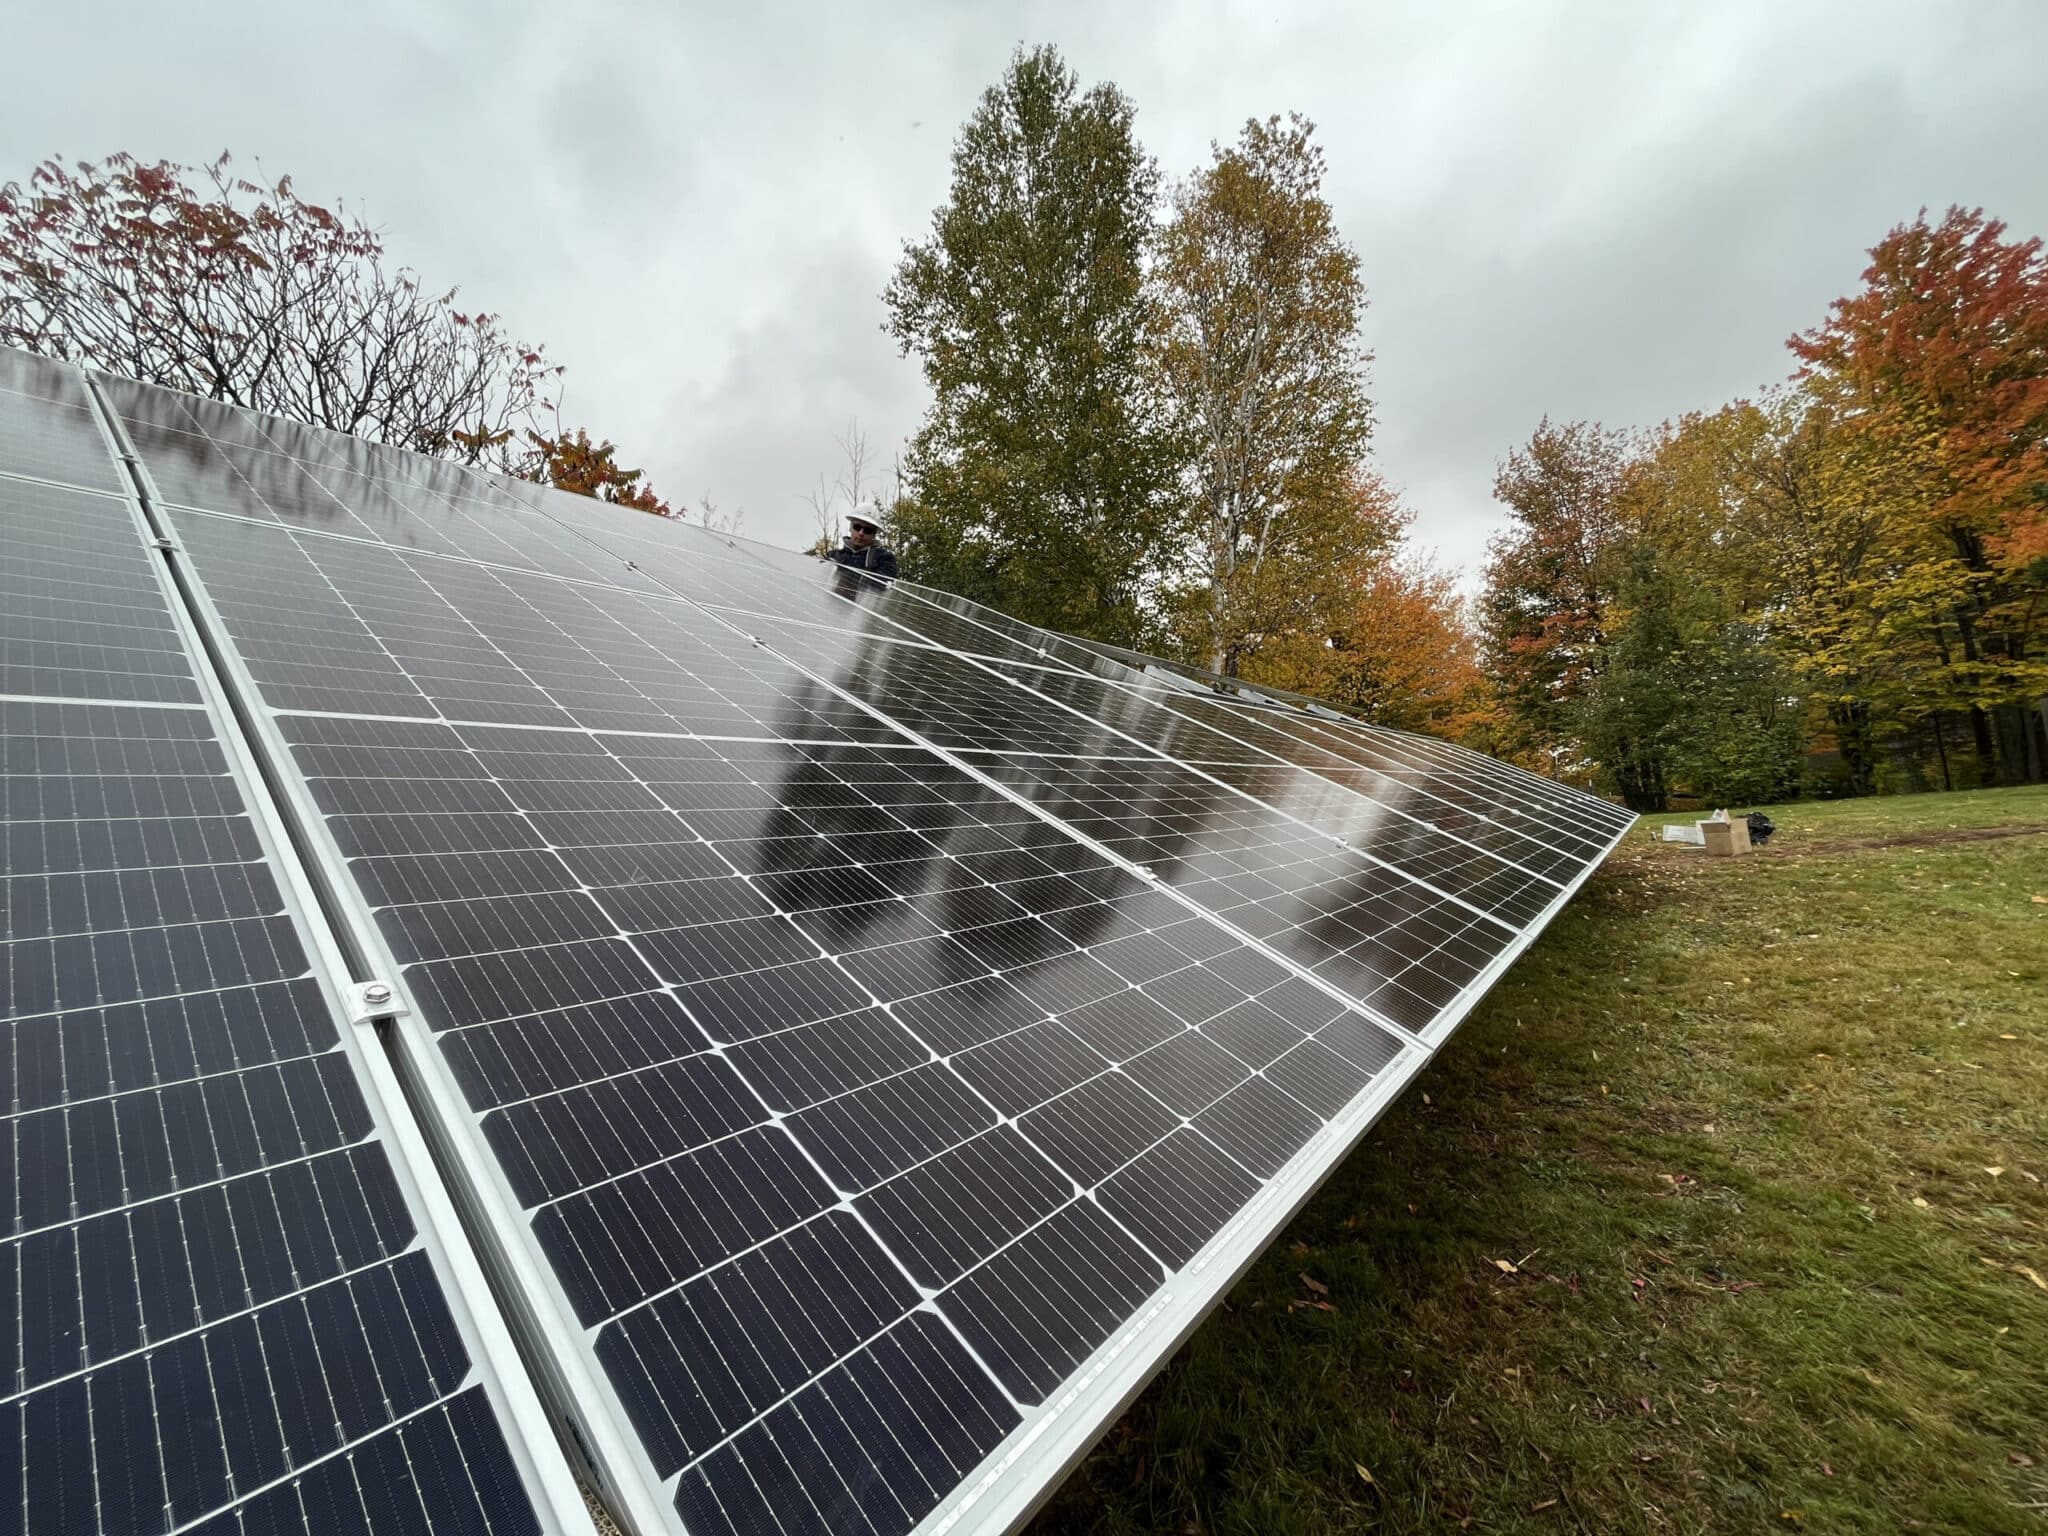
1726, 838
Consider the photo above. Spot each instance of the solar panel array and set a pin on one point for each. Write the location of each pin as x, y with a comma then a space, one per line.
865, 1032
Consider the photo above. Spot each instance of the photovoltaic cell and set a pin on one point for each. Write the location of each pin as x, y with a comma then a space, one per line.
873, 1014
225, 1316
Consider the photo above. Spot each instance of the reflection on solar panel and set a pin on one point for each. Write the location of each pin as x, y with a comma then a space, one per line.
866, 1033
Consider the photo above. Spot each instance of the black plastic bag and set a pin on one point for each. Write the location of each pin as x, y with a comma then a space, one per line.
1760, 827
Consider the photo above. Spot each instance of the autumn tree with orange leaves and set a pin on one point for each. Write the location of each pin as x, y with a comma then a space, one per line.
203, 280
1851, 572
1937, 373
572, 462
1543, 615
1395, 646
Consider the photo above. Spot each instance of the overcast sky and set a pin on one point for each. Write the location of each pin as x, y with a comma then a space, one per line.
1613, 211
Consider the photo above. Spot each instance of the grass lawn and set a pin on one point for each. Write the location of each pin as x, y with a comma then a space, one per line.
1722, 1213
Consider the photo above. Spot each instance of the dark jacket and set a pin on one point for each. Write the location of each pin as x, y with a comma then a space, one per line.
875, 560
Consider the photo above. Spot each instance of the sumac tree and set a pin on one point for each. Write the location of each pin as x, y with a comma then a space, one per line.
202, 280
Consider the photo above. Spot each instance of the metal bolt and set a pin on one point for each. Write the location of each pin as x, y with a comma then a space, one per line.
376, 992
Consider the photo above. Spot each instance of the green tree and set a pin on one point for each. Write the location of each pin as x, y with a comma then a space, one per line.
1627, 640
1039, 478
1692, 690
1260, 358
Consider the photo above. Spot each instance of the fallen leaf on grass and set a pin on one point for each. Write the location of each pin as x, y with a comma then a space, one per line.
2039, 901
1826, 1470
1644, 1402
2008, 1037
1995, 1172
1505, 1267
1917, 1200
1539, 1508
1736, 1288
1315, 1285
2021, 1269
2019, 1458
1359, 1468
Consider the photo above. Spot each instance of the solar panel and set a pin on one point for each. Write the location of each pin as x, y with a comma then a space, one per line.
235, 1306
865, 1034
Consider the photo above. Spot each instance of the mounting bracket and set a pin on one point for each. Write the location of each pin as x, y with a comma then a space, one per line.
367, 1000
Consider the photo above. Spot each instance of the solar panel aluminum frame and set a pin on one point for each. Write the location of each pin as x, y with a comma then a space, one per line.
530, 1433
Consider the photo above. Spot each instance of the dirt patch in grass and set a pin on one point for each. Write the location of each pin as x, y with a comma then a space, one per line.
1761, 1145
1925, 839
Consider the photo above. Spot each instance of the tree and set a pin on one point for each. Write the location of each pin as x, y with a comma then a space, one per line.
1937, 371
1543, 612
574, 463
1260, 358
1397, 650
848, 488
1038, 480
242, 291
1690, 689
712, 517
1813, 555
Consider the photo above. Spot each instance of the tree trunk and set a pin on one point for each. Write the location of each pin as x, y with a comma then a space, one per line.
2019, 759
1851, 720
1941, 751
1987, 754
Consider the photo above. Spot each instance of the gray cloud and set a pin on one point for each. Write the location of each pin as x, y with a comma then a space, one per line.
1617, 211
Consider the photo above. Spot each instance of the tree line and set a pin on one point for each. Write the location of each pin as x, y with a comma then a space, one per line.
1150, 424
1840, 586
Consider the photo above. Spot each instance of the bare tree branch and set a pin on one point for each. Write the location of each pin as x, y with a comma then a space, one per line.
242, 291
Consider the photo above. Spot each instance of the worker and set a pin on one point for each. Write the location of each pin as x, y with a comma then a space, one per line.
862, 550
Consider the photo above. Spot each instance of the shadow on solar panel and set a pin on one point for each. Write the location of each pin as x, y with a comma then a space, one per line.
864, 1034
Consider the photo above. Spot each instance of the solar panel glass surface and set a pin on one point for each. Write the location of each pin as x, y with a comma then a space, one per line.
227, 1316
